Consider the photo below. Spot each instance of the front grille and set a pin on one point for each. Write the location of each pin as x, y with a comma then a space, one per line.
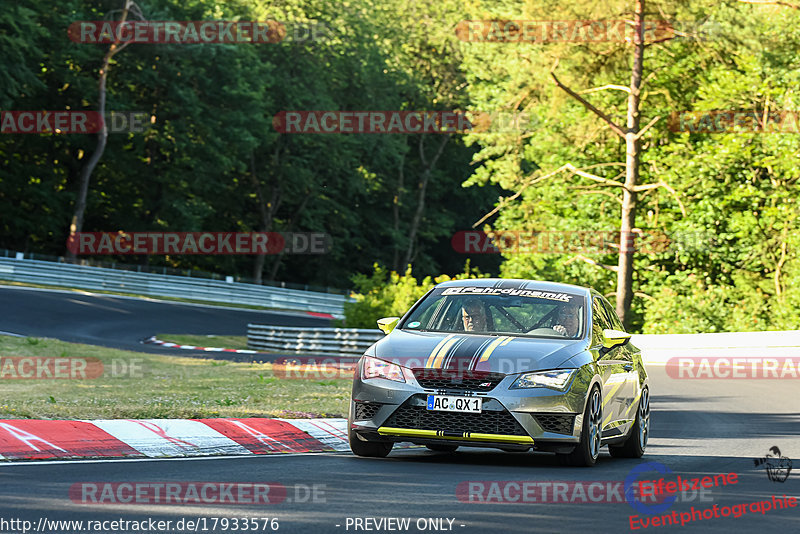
558, 423
419, 417
366, 410
467, 380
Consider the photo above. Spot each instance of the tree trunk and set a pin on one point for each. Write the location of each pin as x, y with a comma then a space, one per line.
76, 225
423, 186
290, 228
628, 218
396, 215
265, 210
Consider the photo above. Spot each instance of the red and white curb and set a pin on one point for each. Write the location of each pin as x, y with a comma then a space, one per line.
24, 439
152, 340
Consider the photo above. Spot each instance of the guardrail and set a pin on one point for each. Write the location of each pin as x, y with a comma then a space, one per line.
656, 349
324, 341
162, 285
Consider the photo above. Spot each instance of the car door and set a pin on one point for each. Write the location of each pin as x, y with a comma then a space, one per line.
628, 392
612, 369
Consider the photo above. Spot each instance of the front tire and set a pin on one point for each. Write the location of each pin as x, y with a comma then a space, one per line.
587, 451
369, 449
634, 446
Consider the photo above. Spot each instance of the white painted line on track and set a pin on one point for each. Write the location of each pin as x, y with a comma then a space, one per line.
12, 334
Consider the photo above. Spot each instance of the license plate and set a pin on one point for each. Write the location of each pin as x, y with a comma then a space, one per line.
448, 403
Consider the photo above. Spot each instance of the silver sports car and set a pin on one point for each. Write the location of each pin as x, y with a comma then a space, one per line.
510, 364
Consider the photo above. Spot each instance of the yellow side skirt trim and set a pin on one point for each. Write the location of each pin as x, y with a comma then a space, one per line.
469, 436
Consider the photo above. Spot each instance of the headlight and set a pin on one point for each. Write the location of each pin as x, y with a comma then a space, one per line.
375, 368
558, 379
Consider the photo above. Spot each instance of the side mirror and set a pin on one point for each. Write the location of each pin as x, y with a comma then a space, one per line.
614, 338
387, 324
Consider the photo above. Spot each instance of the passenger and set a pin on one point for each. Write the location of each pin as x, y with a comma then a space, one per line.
567, 321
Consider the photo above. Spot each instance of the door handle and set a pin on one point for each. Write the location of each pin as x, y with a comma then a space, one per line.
628, 367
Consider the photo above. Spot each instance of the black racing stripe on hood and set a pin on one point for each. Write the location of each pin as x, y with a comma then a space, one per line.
462, 354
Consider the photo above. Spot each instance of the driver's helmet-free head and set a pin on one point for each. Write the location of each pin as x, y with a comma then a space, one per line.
473, 315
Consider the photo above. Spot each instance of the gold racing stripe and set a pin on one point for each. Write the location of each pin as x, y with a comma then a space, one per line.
435, 350
611, 393
633, 403
608, 397
499, 342
437, 360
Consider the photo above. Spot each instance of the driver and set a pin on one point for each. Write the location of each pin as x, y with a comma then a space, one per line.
567, 321
473, 316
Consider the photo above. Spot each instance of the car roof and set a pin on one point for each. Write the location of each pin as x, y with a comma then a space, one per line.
517, 283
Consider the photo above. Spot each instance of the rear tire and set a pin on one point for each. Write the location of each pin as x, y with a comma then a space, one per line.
586, 452
442, 448
634, 446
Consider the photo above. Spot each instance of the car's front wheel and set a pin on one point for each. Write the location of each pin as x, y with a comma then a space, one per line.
634, 446
371, 449
587, 451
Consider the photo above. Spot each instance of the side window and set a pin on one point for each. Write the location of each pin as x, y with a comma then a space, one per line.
599, 321
612, 316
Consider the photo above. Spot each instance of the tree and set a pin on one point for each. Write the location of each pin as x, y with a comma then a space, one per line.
76, 225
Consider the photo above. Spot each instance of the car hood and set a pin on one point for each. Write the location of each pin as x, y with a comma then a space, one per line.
475, 352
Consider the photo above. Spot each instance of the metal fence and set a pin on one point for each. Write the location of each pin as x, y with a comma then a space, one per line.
656, 349
160, 285
325, 341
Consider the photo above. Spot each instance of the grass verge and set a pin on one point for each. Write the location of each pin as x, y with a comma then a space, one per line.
138, 385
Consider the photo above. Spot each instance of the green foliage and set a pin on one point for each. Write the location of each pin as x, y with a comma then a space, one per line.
212, 148
736, 194
212, 160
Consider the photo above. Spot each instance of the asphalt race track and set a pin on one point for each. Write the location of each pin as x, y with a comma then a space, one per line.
122, 322
699, 428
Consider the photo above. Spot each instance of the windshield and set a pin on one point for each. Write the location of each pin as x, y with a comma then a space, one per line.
487, 310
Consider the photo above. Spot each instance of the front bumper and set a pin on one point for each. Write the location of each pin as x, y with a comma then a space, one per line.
512, 419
